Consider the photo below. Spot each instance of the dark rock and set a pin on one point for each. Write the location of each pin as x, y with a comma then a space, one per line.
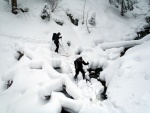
94, 73
64, 111
122, 53
143, 33
59, 22
74, 21
147, 19
47, 97
9, 83
20, 55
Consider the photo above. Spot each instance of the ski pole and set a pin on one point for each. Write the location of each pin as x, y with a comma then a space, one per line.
62, 47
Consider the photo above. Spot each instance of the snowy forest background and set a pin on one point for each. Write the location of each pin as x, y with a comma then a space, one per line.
112, 35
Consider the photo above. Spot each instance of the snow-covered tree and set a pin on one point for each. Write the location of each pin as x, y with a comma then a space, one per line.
126, 5
45, 14
92, 20
54, 4
14, 6
83, 11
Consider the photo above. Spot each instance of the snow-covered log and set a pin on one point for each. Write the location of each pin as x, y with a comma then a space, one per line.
125, 44
61, 79
57, 85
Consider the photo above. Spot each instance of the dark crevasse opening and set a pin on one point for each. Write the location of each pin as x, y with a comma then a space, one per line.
65, 110
143, 33
94, 73
123, 53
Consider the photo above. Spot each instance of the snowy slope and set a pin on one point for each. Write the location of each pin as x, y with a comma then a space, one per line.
128, 80
34, 75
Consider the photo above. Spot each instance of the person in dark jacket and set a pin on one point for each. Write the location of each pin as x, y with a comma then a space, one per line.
56, 38
79, 67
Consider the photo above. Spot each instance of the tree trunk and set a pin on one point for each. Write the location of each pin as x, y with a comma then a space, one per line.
122, 8
14, 6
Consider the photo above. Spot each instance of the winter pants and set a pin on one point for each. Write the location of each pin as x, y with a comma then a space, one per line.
57, 47
77, 72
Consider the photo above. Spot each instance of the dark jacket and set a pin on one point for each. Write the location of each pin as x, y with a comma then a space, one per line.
78, 63
57, 37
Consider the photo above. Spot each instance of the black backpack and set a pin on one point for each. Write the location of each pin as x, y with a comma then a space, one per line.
76, 63
54, 36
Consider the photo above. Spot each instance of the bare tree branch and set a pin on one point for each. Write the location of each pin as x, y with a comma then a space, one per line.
55, 4
87, 16
83, 12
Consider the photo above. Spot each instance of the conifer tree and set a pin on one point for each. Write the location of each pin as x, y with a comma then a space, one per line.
126, 5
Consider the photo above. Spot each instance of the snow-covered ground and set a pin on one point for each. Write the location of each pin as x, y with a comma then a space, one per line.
34, 75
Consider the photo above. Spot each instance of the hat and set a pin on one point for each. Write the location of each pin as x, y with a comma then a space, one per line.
80, 58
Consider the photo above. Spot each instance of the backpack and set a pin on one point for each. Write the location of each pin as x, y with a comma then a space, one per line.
54, 36
76, 64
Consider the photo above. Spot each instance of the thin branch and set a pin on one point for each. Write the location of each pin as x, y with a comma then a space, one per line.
55, 5
83, 11
87, 16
